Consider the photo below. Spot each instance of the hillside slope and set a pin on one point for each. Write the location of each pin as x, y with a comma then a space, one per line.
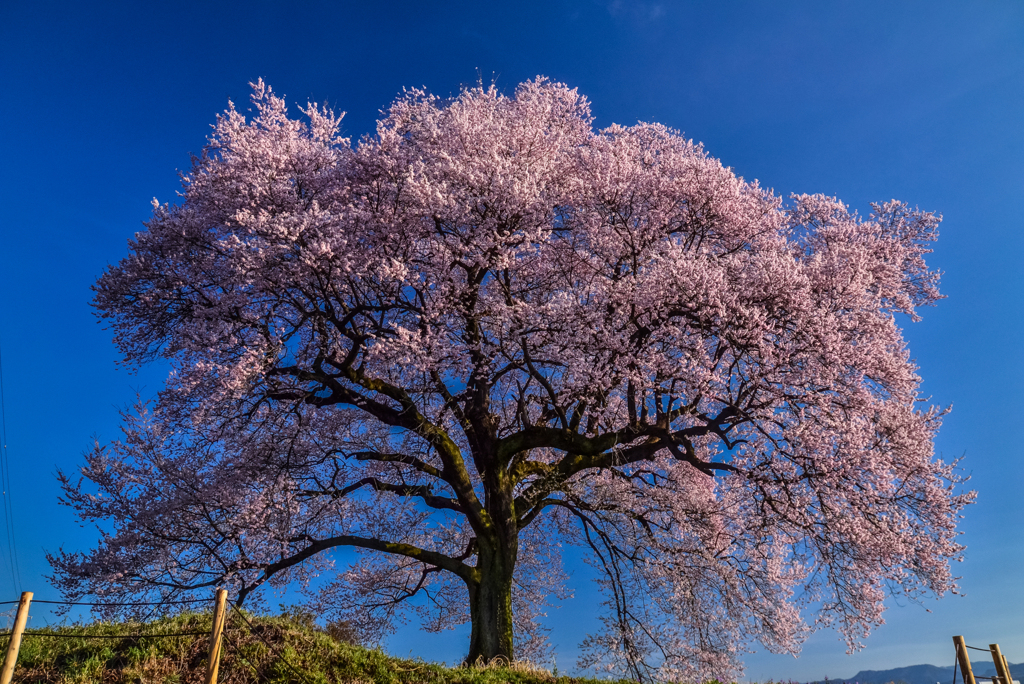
272, 650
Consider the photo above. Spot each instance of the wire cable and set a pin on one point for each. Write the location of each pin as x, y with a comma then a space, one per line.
5, 480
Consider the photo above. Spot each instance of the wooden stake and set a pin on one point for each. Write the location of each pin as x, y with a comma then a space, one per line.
11, 657
1000, 663
1006, 664
219, 615
963, 659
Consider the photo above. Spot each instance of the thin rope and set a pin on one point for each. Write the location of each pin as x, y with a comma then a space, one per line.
252, 630
169, 602
134, 639
238, 654
986, 650
60, 635
5, 480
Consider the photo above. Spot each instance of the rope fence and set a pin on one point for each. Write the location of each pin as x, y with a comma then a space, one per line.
252, 630
963, 663
238, 654
112, 636
101, 604
217, 633
168, 602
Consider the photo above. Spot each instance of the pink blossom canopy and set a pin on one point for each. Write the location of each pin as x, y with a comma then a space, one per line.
488, 332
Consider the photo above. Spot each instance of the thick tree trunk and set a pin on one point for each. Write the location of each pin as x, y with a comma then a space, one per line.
490, 601
497, 543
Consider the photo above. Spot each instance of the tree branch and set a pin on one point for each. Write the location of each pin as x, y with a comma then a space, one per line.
395, 548
422, 492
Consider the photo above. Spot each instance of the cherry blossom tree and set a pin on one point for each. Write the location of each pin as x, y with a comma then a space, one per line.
489, 335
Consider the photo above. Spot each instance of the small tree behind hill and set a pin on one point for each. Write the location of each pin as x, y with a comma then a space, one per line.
487, 334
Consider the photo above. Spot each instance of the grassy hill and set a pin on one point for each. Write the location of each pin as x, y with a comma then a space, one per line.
272, 650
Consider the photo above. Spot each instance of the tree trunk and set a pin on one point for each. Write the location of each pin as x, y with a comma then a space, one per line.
490, 602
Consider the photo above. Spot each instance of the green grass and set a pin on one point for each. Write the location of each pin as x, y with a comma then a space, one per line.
298, 652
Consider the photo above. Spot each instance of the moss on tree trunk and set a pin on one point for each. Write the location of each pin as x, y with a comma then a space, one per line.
490, 600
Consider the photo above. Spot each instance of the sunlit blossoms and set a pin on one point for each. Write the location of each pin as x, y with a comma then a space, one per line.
488, 336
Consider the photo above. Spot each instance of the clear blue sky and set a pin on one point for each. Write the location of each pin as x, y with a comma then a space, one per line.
103, 102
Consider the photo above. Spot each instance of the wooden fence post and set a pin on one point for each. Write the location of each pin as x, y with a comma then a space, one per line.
1000, 663
1006, 664
11, 657
963, 659
219, 615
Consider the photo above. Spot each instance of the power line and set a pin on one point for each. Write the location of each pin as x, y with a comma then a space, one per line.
8, 556
5, 554
5, 472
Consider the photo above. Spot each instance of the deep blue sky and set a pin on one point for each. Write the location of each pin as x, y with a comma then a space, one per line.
103, 102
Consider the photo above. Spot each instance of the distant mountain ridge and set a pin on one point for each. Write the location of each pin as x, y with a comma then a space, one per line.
927, 674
